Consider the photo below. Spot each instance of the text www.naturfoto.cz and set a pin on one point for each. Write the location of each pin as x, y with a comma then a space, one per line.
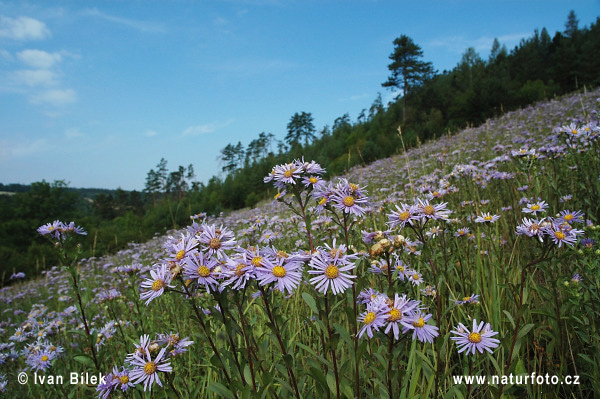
522, 379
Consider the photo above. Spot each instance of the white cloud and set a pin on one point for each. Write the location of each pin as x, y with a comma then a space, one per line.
196, 130
55, 97
24, 149
23, 28
150, 133
73, 133
142, 26
34, 77
39, 59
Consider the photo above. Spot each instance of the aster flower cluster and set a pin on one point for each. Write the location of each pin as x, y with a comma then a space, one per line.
559, 229
144, 365
479, 338
397, 315
417, 214
344, 196
60, 230
300, 174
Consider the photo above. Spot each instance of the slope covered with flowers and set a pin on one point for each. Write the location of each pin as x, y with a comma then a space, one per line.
473, 255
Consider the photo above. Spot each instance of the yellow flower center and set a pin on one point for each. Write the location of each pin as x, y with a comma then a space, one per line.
403, 216
349, 201
256, 261
203, 271
158, 284
559, 235
395, 315
370, 318
150, 368
238, 270
475, 337
44, 358
125, 379
313, 180
288, 173
574, 131
534, 227
282, 254
428, 210
180, 255
277, 195
488, 217
568, 217
416, 277
353, 187
332, 271
214, 243
467, 298
279, 271
419, 323
323, 201
535, 207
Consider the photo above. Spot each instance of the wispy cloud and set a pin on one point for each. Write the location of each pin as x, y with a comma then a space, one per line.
23, 28
197, 130
39, 59
23, 148
54, 97
34, 77
150, 133
142, 26
73, 132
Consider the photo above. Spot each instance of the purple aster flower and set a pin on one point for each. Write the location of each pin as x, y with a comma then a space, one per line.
535, 207
160, 277
184, 247
105, 388
237, 271
146, 369
427, 211
330, 272
531, 228
374, 318
404, 214
285, 274
415, 277
349, 203
53, 229
561, 236
487, 218
588, 243
397, 309
40, 360
367, 295
217, 240
421, 330
478, 339
464, 231
571, 217
71, 228
468, 299
203, 269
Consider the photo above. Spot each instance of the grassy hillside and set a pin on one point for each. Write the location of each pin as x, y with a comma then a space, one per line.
381, 286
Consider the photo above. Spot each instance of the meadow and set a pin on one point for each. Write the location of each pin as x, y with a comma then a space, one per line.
472, 255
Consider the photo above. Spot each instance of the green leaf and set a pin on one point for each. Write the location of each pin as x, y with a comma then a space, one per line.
526, 328
331, 383
221, 390
84, 359
310, 301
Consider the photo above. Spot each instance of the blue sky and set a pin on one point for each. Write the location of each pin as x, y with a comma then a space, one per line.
96, 92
